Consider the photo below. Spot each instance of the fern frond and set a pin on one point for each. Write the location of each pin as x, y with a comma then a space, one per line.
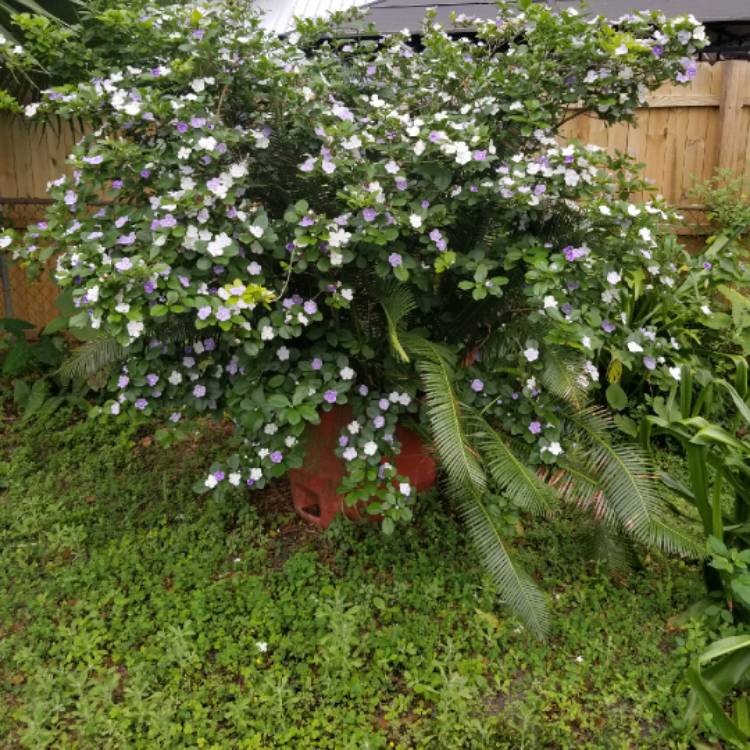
611, 547
512, 475
91, 358
397, 302
675, 541
458, 458
516, 587
561, 376
623, 474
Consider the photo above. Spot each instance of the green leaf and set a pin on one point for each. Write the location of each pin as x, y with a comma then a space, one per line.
616, 396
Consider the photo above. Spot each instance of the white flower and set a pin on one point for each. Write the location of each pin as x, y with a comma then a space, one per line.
349, 453
234, 478
31, 109
419, 148
354, 427
256, 474
415, 220
208, 143
676, 372
347, 294
135, 328
633, 210
705, 309
122, 307
290, 441
351, 143
267, 333
218, 244
210, 482
256, 231
92, 294
404, 399
175, 378
115, 408
5, 241
262, 646
337, 259
554, 448
645, 234
370, 448
347, 373
586, 341
549, 301
613, 278
282, 353
531, 354
634, 347
338, 237
404, 488
271, 429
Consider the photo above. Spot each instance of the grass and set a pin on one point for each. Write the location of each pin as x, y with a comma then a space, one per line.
134, 614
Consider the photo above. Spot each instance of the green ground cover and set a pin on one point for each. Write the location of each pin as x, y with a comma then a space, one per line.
134, 614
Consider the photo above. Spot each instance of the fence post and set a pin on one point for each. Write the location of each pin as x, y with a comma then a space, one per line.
732, 135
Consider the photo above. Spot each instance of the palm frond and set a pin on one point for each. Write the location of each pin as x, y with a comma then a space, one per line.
459, 459
611, 547
511, 474
516, 587
675, 541
91, 358
397, 302
561, 376
624, 476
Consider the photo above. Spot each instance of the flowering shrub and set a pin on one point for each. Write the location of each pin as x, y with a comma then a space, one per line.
269, 227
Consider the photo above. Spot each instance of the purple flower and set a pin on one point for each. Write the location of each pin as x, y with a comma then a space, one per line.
307, 221
330, 397
316, 364
707, 266
149, 286
566, 309
140, 404
370, 214
649, 363
184, 280
199, 391
343, 441
145, 173
477, 385
223, 313
435, 235
122, 381
219, 476
98, 159
379, 421
175, 416
435, 137
182, 127
126, 239
70, 198
535, 427
480, 155
425, 204
383, 404
658, 50
198, 33
608, 326
401, 183
204, 312
152, 379
363, 390
310, 307
277, 457
395, 260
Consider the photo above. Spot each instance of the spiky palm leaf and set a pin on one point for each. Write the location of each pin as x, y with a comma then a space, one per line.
518, 590
561, 376
91, 358
467, 484
510, 473
618, 482
397, 302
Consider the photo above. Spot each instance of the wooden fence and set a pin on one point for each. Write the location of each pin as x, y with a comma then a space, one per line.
684, 134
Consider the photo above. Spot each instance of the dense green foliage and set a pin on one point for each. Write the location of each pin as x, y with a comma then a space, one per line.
130, 616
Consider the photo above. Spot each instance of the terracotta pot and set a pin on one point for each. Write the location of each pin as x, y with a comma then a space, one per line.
314, 485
